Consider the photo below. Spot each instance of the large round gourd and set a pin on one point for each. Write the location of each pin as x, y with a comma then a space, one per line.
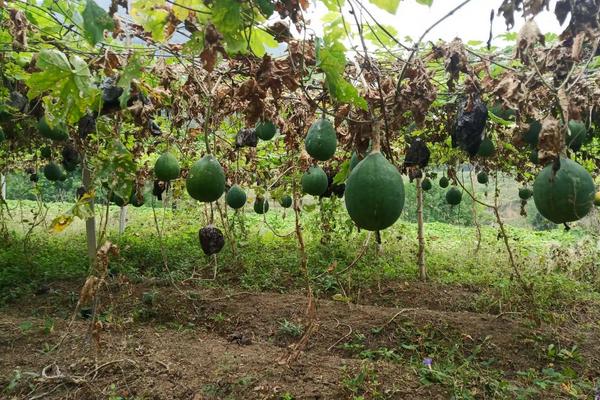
166, 167
453, 196
321, 140
374, 193
206, 180
286, 201
426, 184
265, 130
235, 197
53, 172
565, 196
314, 181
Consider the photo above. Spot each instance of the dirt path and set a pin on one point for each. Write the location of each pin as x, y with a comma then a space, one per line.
229, 346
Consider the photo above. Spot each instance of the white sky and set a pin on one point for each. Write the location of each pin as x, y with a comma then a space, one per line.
469, 23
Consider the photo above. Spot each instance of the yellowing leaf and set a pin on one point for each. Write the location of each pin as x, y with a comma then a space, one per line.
260, 41
390, 6
60, 223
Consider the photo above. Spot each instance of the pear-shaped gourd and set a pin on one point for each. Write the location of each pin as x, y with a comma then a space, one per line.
206, 180
314, 181
374, 193
321, 140
235, 197
166, 167
565, 195
577, 135
261, 205
444, 182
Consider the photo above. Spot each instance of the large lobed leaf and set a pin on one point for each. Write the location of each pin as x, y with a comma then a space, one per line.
67, 80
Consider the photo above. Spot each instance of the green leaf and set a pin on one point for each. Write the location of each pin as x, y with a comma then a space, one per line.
132, 70
425, 2
331, 59
95, 22
151, 15
67, 80
260, 41
390, 6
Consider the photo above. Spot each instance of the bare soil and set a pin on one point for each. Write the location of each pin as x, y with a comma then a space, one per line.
193, 343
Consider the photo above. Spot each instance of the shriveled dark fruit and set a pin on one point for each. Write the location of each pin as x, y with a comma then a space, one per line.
34, 177
46, 152
80, 192
453, 196
374, 193
321, 140
166, 167
211, 240
414, 173
18, 101
246, 138
565, 195
532, 134
58, 133
502, 112
482, 178
487, 148
265, 130
525, 193
577, 135
418, 154
597, 199
118, 200
158, 189
86, 125
444, 182
426, 184
470, 123
334, 189
261, 205
134, 201
154, 128
29, 170
235, 197
53, 172
314, 181
286, 201
206, 180
110, 95
69, 153
69, 166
